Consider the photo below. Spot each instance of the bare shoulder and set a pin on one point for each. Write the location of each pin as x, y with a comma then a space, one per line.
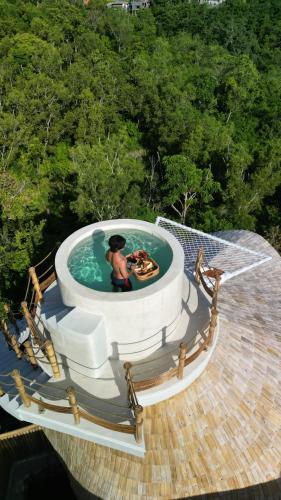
108, 255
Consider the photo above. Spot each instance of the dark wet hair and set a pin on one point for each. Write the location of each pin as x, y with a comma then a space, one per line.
116, 242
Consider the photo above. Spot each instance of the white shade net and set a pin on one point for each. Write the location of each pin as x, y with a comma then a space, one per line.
233, 259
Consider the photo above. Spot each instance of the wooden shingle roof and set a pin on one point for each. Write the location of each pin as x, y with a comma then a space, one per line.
222, 433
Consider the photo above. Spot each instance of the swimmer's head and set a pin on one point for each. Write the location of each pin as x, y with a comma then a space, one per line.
116, 242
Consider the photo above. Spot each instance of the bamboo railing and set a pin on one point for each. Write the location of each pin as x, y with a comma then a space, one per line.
75, 409
41, 276
210, 280
39, 280
36, 287
136, 407
29, 351
34, 294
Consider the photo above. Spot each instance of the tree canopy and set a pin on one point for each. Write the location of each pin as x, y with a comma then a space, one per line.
174, 111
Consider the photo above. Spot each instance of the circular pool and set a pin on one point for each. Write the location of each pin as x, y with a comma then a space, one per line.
141, 318
87, 263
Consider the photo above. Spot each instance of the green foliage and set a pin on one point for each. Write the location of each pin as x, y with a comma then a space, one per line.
174, 111
106, 175
186, 185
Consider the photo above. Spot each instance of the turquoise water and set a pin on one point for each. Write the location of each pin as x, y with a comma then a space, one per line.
88, 266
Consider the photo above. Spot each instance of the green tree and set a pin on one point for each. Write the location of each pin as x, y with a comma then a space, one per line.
185, 185
107, 177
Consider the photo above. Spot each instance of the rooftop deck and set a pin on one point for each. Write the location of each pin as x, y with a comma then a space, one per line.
223, 432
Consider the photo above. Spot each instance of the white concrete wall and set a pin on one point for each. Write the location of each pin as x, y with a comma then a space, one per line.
129, 318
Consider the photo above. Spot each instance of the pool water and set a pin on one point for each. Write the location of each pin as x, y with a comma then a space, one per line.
88, 266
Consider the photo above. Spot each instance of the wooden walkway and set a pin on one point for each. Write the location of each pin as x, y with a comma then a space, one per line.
221, 434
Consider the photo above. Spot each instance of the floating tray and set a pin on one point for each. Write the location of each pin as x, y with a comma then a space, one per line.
146, 274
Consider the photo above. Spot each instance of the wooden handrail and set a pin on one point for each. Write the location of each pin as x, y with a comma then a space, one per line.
182, 357
35, 282
198, 263
49, 406
20, 387
141, 385
53, 359
16, 347
125, 428
48, 281
138, 411
11, 317
29, 320
5, 330
73, 403
29, 351
205, 286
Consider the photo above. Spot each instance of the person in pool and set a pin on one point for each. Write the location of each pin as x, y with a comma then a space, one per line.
120, 274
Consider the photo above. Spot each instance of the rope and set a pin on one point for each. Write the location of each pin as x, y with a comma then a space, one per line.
40, 347
46, 257
31, 303
100, 399
27, 379
90, 396
87, 406
78, 392
176, 349
45, 272
27, 288
101, 412
46, 394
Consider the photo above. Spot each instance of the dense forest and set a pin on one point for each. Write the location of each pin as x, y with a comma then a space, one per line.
174, 111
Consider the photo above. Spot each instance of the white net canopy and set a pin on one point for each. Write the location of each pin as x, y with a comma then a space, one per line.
233, 259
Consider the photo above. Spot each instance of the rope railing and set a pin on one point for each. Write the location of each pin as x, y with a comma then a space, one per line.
46, 346
206, 276
46, 272
133, 401
74, 408
38, 388
35, 285
27, 289
47, 256
212, 288
29, 384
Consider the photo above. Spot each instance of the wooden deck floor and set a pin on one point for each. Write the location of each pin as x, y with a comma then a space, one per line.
224, 432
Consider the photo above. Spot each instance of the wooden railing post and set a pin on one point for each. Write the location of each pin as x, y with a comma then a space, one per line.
15, 346
212, 327
138, 411
182, 356
199, 260
35, 282
5, 330
73, 404
217, 283
27, 316
11, 317
52, 358
20, 387
127, 366
30, 322
30, 353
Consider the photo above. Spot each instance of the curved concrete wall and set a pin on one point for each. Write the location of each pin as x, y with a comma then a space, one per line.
128, 317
